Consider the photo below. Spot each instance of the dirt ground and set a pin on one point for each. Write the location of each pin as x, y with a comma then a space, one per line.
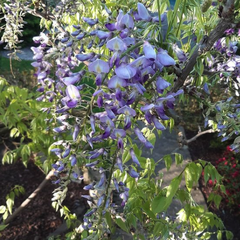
38, 219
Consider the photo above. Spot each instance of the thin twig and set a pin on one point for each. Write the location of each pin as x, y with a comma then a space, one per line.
199, 134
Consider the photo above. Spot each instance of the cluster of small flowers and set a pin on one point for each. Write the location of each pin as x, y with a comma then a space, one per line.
226, 62
227, 112
120, 85
14, 23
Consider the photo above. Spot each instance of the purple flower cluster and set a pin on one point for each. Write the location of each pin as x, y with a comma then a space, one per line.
122, 80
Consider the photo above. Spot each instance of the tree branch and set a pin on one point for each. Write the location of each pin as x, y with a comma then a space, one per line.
206, 43
198, 135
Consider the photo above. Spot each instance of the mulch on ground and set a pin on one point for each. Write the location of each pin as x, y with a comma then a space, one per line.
38, 219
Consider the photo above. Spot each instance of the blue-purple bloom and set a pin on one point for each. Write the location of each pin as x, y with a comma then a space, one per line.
98, 66
111, 26
164, 59
102, 35
125, 71
119, 134
116, 44
75, 132
126, 21
124, 196
180, 53
96, 154
142, 138
205, 88
73, 96
89, 21
161, 84
143, 13
116, 82
149, 51
60, 129
80, 36
127, 111
119, 164
74, 78
92, 164
102, 180
134, 158
66, 152
73, 160
85, 57
116, 184
133, 173
88, 187
157, 124
100, 200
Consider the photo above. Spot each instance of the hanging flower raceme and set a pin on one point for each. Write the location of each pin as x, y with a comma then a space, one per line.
100, 134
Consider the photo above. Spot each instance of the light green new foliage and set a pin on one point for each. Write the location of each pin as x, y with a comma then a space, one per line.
23, 116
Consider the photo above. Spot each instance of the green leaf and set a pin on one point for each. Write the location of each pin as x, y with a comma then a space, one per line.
168, 161
132, 221
157, 229
152, 138
26, 150
121, 224
109, 220
171, 125
146, 208
178, 158
219, 235
2, 227
137, 150
2, 209
206, 174
158, 204
14, 132
126, 155
10, 201
223, 189
229, 235
206, 235
217, 200
141, 236
5, 215
173, 187
192, 174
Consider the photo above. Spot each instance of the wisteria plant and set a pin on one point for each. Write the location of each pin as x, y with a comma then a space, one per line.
104, 76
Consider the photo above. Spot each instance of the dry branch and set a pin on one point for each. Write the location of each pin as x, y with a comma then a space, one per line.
30, 198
